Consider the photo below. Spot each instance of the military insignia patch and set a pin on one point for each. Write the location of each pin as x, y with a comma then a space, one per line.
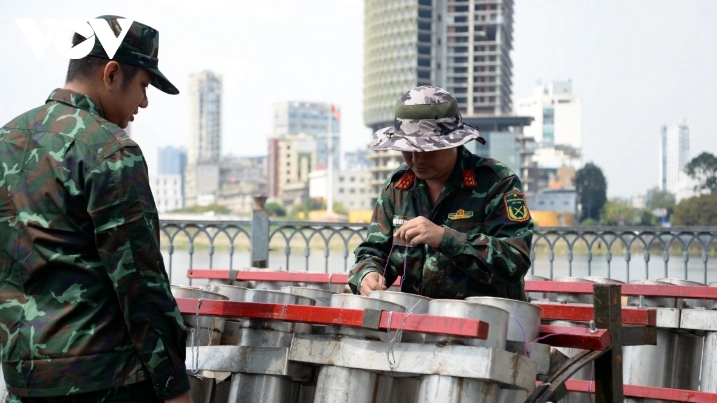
515, 206
469, 178
460, 215
406, 181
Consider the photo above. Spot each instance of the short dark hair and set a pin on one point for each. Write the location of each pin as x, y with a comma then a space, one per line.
79, 69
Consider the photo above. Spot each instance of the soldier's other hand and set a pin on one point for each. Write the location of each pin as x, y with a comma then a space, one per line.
421, 230
371, 282
183, 398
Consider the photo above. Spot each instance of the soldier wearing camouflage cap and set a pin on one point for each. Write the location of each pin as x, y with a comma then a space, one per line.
86, 312
451, 223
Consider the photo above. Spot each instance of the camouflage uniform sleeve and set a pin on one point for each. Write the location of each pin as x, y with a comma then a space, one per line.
118, 197
372, 253
500, 251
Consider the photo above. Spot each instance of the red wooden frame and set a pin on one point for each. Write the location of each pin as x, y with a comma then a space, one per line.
648, 392
676, 291
318, 315
585, 313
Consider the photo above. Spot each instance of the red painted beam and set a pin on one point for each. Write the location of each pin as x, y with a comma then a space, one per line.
585, 313
317, 315
575, 337
432, 324
648, 392
284, 276
676, 291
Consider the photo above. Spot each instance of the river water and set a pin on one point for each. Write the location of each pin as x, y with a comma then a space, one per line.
618, 268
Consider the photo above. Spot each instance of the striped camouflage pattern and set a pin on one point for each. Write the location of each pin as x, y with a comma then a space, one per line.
86, 304
425, 134
483, 252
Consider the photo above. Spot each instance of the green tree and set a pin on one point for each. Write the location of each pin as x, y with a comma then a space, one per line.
275, 209
703, 169
340, 209
591, 188
648, 219
618, 212
314, 204
662, 199
311, 204
700, 211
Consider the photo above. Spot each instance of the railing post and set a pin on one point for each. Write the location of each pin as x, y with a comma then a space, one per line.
259, 234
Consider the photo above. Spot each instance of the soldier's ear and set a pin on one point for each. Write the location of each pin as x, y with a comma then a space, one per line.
112, 76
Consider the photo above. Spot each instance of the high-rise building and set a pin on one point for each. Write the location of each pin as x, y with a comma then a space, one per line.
356, 160
556, 113
310, 118
167, 192
201, 177
350, 188
205, 118
674, 156
171, 160
290, 160
460, 45
383, 163
241, 179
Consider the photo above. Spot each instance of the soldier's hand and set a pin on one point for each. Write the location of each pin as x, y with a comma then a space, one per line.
421, 230
371, 282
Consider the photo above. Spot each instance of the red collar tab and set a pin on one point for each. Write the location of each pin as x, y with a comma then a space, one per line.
406, 181
469, 178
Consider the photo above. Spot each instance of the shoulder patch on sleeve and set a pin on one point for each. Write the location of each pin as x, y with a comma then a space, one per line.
500, 169
516, 209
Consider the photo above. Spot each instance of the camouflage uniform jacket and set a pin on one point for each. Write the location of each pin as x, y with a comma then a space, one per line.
85, 301
485, 250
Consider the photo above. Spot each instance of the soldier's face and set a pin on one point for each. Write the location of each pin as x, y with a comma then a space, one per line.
432, 165
125, 100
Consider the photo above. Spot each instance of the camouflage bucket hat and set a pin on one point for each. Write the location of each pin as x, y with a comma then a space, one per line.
427, 119
140, 47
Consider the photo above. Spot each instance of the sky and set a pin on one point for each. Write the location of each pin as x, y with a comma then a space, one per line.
637, 65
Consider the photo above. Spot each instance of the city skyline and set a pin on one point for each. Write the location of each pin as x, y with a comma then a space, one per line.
615, 67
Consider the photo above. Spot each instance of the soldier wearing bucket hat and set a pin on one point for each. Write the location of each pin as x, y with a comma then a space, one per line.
87, 311
451, 223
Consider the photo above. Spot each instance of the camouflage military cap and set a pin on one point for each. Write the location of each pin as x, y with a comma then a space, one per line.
139, 48
427, 118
